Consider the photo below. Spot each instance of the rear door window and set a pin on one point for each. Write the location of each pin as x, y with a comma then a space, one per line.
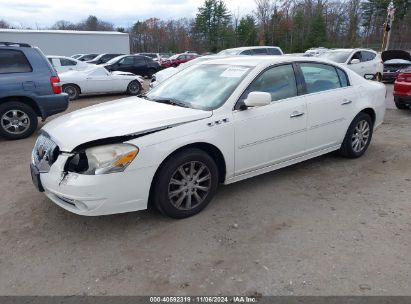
14, 61
273, 51
127, 61
343, 78
367, 56
320, 77
67, 62
261, 51
247, 52
140, 61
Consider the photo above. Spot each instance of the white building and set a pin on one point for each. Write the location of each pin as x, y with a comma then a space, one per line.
67, 43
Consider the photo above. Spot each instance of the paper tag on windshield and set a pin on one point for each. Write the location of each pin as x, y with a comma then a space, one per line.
234, 72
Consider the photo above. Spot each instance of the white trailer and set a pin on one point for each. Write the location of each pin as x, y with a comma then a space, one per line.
67, 43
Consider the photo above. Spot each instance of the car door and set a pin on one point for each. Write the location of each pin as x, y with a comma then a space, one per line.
126, 64
369, 62
356, 67
140, 66
274, 133
98, 81
330, 104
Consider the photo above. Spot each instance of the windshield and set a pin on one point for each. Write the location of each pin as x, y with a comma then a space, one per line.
336, 56
203, 86
229, 52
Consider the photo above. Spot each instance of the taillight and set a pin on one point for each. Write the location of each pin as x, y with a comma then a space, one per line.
55, 84
404, 78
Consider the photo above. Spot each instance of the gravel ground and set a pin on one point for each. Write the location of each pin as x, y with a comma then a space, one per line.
328, 226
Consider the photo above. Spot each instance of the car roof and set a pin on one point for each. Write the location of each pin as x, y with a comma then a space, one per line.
254, 47
59, 56
352, 50
254, 61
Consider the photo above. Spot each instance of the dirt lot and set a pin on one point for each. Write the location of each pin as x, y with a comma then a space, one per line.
328, 226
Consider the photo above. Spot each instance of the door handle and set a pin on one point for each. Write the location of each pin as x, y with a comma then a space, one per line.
296, 114
346, 102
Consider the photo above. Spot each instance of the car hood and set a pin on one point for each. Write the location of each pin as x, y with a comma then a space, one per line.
395, 54
129, 117
120, 73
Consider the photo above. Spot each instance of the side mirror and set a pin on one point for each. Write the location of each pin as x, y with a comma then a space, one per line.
355, 61
258, 99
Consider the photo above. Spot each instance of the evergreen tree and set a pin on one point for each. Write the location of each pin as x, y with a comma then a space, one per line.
247, 32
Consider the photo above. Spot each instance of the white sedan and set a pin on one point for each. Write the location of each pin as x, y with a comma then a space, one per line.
97, 80
64, 64
219, 121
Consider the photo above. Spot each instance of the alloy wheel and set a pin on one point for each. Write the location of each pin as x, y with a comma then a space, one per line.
15, 122
189, 185
71, 91
361, 136
134, 88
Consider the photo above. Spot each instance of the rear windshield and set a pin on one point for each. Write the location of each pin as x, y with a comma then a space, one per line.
13, 61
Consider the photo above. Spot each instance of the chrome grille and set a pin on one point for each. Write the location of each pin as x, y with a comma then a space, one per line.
44, 153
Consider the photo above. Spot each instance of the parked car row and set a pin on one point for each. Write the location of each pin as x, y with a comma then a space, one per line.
98, 80
122, 73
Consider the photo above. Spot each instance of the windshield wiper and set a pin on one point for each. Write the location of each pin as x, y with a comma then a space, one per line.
173, 102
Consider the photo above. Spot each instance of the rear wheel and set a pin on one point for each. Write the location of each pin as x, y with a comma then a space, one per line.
72, 91
400, 105
358, 136
185, 183
17, 120
134, 88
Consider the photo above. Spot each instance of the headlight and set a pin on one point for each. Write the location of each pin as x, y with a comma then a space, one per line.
103, 159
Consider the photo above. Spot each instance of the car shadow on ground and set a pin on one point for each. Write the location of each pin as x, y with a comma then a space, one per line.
143, 220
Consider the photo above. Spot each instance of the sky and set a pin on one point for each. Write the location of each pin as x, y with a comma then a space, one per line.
44, 13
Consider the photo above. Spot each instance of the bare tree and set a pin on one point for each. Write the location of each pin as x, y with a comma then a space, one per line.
263, 14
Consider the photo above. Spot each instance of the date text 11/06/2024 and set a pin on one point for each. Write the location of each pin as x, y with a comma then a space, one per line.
205, 299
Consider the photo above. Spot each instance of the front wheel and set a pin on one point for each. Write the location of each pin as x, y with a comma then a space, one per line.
17, 120
358, 136
134, 88
185, 183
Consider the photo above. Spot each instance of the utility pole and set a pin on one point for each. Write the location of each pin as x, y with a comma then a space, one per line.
388, 26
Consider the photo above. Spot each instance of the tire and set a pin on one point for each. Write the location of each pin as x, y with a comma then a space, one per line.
378, 77
17, 120
72, 90
179, 196
151, 72
401, 106
358, 136
134, 88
